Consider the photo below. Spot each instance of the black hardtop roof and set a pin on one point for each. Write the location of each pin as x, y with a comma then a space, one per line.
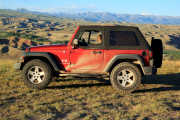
107, 26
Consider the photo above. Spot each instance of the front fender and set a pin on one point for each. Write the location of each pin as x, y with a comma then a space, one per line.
52, 60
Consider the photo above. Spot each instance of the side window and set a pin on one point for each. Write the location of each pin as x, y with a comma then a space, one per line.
123, 38
90, 38
84, 39
96, 38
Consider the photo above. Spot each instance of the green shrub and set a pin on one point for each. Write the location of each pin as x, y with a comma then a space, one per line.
3, 69
59, 42
172, 54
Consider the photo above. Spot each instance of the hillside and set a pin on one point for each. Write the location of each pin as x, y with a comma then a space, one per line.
18, 31
21, 30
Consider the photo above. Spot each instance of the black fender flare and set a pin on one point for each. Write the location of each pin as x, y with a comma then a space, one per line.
125, 57
52, 60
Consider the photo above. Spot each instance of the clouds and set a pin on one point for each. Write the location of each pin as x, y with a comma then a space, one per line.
157, 7
146, 13
73, 8
53, 6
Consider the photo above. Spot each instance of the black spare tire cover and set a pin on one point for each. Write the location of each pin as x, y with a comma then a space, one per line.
157, 50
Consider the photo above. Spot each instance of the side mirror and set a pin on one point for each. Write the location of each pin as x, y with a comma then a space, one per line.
75, 43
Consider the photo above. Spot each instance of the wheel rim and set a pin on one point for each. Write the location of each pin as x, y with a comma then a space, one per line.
126, 77
36, 74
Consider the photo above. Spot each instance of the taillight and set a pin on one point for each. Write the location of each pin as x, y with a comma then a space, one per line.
27, 49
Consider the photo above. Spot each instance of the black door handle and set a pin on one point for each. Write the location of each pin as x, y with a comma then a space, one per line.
96, 52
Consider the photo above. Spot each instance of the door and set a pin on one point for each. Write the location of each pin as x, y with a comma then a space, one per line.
88, 56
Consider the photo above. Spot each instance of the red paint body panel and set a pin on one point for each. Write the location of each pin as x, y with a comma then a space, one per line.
109, 54
86, 60
59, 51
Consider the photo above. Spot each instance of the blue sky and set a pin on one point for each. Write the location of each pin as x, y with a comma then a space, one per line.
154, 7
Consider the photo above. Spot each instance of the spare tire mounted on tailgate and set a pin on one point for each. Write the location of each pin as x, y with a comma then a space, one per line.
157, 50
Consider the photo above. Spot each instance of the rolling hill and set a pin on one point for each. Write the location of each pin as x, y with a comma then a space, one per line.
19, 30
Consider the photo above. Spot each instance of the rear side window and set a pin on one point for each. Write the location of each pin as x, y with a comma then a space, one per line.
123, 38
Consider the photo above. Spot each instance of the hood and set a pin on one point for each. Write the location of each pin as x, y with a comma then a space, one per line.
48, 47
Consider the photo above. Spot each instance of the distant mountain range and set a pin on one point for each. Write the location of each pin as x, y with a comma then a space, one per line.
106, 16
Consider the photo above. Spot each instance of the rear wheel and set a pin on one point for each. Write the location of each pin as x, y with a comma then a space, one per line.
157, 50
37, 74
125, 77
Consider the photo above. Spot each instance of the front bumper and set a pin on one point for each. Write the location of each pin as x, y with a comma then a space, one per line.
17, 66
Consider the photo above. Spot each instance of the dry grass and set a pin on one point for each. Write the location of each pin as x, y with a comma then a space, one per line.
90, 98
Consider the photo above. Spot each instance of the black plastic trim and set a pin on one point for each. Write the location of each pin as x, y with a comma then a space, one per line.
47, 55
146, 69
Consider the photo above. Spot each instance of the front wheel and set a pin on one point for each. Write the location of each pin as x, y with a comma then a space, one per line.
125, 77
37, 74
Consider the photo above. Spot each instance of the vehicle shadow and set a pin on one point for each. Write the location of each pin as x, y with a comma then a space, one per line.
102, 82
166, 79
174, 40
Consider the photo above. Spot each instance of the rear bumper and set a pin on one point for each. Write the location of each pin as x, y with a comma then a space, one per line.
17, 66
149, 70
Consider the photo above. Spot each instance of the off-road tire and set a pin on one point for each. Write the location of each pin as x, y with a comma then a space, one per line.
125, 66
157, 50
47, 76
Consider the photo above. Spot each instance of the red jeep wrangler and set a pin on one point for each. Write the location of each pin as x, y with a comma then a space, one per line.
121, 52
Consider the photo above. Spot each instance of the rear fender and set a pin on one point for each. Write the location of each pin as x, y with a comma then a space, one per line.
125, 57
